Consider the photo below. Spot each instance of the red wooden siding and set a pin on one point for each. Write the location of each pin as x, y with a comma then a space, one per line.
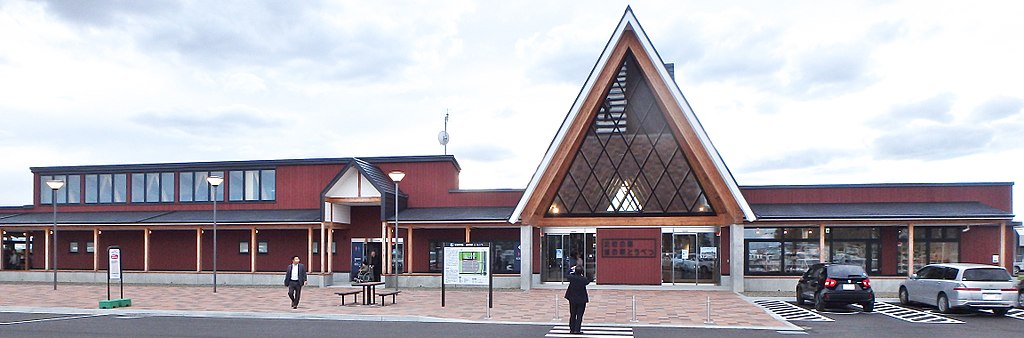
228, 258
74, 261
996, 195
421, 239
638, 271
282, 245
133, 248
173, 250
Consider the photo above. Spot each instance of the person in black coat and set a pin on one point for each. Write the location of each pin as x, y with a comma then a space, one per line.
576, 293
295, 278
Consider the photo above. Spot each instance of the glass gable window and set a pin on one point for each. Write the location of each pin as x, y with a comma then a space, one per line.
152, 187
629, 161
70, 193
105, 188
781, 251
252, 185
193, 186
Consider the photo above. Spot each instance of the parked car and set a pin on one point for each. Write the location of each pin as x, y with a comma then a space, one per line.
1020, 293
830, 284
1017, 266
951, 286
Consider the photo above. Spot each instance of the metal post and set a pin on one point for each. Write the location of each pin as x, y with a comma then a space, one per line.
556, 318
53, 200
488, 313
394, 248
215, 238
708, 321
633, 319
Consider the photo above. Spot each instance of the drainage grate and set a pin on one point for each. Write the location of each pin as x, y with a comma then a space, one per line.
790, 312
912, 315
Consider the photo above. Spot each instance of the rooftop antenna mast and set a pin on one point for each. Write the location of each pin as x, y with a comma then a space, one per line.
442, 137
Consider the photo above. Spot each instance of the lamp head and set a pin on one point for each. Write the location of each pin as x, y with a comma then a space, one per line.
215, 180
396, 175
55, 184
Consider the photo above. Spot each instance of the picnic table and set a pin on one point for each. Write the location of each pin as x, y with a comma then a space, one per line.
369, 291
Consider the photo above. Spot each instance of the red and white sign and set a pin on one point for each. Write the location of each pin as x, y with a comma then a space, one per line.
115, 263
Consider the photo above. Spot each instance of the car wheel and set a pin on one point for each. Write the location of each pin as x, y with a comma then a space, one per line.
1020, 299
868, 307
943, 303
904, 296
1000, 312
819, 303
799, 296
1016, 270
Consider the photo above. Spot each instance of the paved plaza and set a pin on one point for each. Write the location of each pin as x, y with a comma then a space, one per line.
679, 308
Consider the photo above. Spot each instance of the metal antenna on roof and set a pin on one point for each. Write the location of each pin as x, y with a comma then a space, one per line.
442, 137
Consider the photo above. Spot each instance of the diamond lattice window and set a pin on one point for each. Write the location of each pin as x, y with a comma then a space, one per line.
629, 162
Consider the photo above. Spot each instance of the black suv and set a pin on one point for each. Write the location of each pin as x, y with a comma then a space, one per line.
833, 284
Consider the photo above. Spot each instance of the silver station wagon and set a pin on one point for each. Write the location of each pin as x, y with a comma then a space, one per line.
958, 285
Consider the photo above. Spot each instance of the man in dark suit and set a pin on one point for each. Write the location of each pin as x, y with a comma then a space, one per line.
576, 293
295, 278
375, 264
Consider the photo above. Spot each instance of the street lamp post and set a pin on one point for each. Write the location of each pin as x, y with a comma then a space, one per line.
397, 176
215, 182
54, 186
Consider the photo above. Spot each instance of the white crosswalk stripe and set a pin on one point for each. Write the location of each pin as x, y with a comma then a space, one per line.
912, 315
592, 331
791, 312
1015, 313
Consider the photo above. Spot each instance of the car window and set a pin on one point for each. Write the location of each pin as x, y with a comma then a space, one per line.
926, 272
844, 271
949, 273
986, 275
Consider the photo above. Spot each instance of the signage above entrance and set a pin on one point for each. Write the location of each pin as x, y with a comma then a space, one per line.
629, 248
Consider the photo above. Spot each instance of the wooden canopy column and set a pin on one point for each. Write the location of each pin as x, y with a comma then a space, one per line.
309, 245
329, 252
323, 236
910, 249
1002, 247
47, 234
252, 249
821, 243
467, 234
145, 248
408, 252
199, 249
95, 249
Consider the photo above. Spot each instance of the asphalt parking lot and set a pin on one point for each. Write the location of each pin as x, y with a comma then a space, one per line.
892, 318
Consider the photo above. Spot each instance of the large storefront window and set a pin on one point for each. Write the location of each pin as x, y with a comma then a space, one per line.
780, 251
931, 245
855, 245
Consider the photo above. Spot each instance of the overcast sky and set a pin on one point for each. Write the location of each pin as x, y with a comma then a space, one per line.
790, 92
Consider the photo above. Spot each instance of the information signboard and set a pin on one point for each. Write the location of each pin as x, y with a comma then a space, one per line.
466, 265
115, 263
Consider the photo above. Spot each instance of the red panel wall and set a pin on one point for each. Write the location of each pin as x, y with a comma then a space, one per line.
979, 244
421, 239
890, 251
996, 195
74, 261
132, 245
434, 184
724, 250
640, 271
366, 222
183, 242
282, 245
37, 257
228, 258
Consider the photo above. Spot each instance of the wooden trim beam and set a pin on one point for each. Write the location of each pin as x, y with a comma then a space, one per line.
353, 200
649, 221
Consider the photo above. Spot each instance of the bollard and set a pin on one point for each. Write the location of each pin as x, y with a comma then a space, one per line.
556, 318
633, 319
708, 321
487, 305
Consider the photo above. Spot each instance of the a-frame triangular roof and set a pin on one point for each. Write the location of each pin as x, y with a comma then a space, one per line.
630, 41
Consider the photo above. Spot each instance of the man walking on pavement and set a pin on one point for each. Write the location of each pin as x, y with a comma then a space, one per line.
576, 293
295, 278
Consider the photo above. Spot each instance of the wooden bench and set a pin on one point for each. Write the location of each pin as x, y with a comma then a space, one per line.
354, 293
385, 293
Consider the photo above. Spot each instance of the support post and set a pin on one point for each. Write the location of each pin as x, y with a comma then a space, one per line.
821, 243
525, 257
145, 248
95, 250
252, 250
910, 249
736, 257
329, 252
199, 249
1002, 247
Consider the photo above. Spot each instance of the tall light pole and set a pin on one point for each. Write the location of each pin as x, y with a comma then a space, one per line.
54, 186
397, 176
215, 182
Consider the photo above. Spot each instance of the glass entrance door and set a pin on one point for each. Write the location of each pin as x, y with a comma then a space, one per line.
689, 258
560, 251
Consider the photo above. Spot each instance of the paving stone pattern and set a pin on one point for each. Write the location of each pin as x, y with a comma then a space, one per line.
663, 307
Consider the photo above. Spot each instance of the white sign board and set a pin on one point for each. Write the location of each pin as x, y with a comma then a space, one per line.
708, 252
115, 263
466, 265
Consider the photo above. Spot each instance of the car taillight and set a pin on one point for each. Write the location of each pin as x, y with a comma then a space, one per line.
1014, 290
866, 283
966, 289
830, 283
